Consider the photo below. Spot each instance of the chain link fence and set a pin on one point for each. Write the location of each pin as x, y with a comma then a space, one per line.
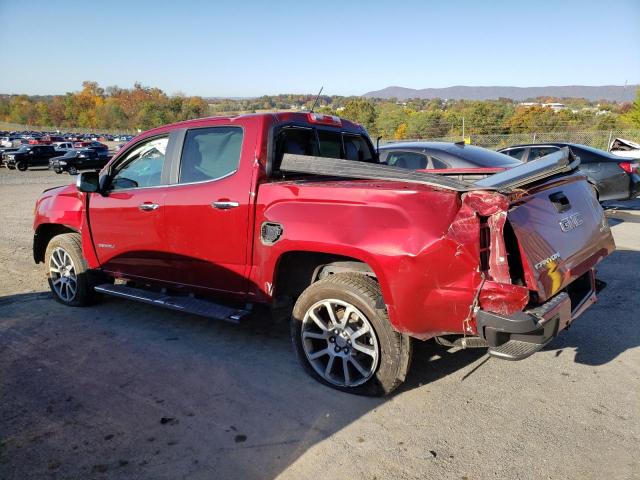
594, 138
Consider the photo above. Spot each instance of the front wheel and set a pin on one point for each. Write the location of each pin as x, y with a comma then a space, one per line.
21, 165
343, 340
73, 171
67, 271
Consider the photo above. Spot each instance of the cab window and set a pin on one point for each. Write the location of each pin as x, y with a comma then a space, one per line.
210, 153
142, 167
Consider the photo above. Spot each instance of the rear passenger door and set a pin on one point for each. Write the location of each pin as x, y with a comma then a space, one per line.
207, 208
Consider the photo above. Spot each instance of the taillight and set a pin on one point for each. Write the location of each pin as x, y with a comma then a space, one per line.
630, 167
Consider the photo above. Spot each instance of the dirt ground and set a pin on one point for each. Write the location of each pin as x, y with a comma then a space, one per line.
128, 391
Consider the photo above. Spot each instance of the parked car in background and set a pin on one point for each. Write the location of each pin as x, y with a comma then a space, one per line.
100, 148
30, 156
63, 146
612, 177
625, 148
5, 151
9, 141
75, 160
452, 159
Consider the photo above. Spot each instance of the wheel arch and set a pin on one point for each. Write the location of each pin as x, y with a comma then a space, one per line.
296, 270
43, 235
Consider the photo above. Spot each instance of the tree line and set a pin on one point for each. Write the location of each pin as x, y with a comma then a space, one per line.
115, 108
144, 107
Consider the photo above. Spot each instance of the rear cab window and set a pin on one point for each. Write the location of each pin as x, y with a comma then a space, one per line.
322, 142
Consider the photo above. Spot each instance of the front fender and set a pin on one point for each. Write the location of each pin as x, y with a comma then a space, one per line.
58, 210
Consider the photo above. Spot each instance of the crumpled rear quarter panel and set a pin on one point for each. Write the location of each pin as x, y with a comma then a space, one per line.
423, 251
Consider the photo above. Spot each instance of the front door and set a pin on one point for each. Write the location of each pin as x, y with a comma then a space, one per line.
127, 222
207, 210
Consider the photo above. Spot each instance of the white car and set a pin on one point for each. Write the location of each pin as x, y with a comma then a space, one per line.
625, 148
63, 146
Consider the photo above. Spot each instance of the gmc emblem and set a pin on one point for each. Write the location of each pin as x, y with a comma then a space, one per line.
571, 222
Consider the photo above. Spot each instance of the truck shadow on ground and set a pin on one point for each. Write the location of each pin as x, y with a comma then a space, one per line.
125, 390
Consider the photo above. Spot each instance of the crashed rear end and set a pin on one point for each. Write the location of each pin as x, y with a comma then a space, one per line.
517, 263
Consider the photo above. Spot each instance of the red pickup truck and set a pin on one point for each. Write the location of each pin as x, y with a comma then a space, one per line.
212, 216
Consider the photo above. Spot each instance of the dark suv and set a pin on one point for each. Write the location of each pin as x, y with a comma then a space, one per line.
31, 156
75, 160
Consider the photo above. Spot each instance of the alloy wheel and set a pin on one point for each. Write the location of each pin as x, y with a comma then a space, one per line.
62, 273
340, 343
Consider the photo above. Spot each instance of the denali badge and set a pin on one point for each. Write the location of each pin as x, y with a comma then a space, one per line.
571, 222
547, 261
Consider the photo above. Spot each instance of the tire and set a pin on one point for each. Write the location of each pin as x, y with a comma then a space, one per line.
72, 171
73, 286
22, 165
382, 355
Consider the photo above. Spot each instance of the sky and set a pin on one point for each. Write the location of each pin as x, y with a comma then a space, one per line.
247, 48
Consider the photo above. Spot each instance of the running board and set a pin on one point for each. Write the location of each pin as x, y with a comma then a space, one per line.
196, 306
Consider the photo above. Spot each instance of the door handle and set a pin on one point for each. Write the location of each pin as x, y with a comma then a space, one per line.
225, 204
147, 207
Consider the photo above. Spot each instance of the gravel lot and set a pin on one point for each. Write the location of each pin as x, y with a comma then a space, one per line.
127, 391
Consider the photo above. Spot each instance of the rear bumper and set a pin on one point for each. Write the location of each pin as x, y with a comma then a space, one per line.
517, 336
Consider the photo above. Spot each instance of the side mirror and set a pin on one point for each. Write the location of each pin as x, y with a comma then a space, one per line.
88, 182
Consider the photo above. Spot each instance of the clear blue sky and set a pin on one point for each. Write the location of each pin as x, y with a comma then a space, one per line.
249, 48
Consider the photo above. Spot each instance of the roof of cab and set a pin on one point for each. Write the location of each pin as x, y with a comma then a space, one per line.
279, 117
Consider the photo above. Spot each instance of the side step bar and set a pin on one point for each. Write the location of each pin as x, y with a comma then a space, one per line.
196, 306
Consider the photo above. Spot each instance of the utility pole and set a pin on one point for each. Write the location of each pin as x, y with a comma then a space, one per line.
463, 128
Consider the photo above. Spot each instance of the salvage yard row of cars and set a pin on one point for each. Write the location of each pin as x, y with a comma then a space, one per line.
70, 153
364, 251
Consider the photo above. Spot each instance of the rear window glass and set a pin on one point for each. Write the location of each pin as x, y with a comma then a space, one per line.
323, 143
330, 144
515, 153
210, 153
483, 157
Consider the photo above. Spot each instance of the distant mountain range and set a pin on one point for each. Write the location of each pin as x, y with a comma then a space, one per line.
614, 93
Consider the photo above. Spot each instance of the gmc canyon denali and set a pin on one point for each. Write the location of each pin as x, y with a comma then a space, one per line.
293, 210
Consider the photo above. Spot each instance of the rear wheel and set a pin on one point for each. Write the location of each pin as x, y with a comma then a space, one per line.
67, 271
344, 341
21, 165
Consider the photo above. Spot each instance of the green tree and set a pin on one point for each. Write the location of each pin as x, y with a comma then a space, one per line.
363, 112
633, 116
